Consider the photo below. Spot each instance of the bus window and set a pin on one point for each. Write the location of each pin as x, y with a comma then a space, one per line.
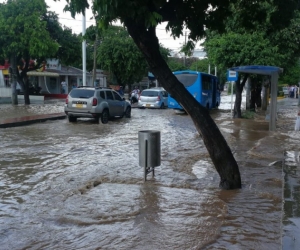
206, 82
187, 79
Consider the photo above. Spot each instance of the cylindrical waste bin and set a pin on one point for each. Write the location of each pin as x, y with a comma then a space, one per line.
149, 148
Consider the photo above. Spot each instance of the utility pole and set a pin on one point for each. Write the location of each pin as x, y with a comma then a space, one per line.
95, 56
184, 45
83, 51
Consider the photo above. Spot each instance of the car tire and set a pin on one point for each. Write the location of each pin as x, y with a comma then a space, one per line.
72, 118
128, 112
104, 116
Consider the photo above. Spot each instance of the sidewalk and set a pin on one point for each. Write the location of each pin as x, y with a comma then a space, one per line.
287, 112
20, 115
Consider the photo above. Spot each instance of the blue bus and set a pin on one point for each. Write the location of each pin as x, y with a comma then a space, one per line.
203, 87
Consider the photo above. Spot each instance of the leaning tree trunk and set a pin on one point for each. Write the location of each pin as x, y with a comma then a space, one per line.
214, 141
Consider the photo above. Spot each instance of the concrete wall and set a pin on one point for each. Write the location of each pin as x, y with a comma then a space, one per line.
5, 92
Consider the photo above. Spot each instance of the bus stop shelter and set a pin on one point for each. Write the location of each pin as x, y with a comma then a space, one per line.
274, 73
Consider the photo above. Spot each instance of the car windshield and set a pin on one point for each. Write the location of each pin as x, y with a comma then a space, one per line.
149, 93
82, 93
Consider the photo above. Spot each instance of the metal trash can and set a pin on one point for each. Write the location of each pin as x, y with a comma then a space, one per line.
149, 150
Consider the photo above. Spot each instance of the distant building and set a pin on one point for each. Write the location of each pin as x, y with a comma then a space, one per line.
50, 76
198, 53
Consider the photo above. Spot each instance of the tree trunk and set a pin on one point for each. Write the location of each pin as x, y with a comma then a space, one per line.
23, 79
26, 92
265, 98
13, 77
252, 96
237, 113
214, 141
258, 96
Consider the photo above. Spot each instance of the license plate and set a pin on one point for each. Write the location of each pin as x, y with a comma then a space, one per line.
79, 105
148, 105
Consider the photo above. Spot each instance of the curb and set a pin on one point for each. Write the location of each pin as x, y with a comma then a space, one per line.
27, 120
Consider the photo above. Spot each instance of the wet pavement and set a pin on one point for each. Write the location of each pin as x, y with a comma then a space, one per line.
79, 186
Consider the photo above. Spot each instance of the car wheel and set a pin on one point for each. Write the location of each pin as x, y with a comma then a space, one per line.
128, 112
104, 116
72, 118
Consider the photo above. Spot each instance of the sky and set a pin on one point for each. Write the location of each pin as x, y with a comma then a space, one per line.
76, 25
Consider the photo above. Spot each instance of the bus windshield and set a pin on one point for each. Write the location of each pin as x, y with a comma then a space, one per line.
187, 79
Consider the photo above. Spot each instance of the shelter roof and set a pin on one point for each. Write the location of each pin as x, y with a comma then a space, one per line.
257, 69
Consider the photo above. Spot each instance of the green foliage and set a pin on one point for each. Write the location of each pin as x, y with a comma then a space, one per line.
175, 64
189, 14
233, 49
200, 65
69, 51
291, 75
248, 114
229, 88
165, 52
23, 32
118, 54
261, 32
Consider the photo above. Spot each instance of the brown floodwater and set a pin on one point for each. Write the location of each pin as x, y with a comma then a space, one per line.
80, 186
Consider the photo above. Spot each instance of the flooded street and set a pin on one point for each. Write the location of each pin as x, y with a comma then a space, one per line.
79, 185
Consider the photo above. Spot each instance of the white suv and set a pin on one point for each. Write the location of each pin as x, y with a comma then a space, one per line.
95, 102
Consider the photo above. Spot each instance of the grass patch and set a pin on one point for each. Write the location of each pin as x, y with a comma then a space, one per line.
248, 114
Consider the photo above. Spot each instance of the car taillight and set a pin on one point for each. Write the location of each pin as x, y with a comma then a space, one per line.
95, 102
158, 98
67, 100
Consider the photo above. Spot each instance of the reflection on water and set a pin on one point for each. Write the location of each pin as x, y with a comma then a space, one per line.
79, 186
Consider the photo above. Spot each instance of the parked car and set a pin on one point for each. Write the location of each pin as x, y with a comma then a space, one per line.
96, 102
153, 98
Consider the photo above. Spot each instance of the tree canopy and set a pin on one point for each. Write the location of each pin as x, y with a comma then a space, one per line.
23, 30
69, 43
264, 41
31, 34
118, 54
